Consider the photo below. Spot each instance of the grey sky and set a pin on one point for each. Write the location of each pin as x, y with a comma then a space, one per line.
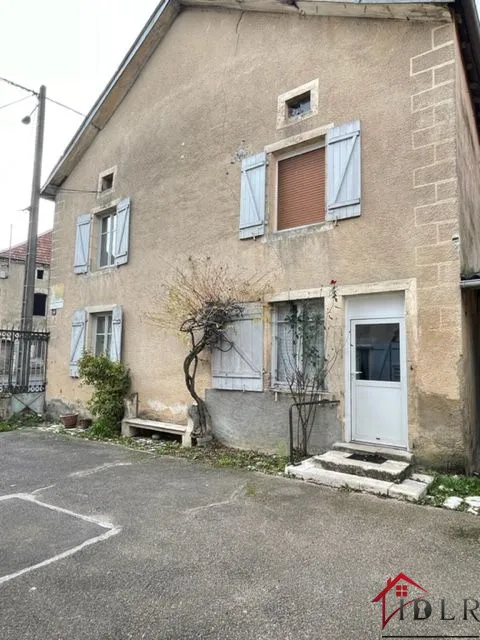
73, 47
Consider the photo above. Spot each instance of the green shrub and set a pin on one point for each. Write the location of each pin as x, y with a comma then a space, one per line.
111, 383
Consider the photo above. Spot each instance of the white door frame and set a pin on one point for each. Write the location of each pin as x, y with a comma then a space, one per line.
365, 308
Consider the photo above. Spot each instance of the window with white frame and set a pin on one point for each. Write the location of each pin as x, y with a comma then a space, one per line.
108, 231
104, 328
103, 234
298, 348
102, 334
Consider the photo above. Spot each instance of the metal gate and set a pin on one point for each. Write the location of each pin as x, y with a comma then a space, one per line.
23, 366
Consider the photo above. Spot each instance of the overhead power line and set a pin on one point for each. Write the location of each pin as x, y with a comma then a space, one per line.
9, 104
35, 93
19, 86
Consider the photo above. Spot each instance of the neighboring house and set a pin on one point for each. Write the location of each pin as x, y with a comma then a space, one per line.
336, 143
12, 274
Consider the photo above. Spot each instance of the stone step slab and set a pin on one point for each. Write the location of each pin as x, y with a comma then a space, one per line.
341, 461
309, 471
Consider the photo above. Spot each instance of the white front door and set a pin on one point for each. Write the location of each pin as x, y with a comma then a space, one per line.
377, 371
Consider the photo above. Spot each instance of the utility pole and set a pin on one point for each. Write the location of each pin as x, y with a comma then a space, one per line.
31, 257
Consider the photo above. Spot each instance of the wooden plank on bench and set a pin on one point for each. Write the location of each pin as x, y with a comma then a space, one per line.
156, 425
131, 426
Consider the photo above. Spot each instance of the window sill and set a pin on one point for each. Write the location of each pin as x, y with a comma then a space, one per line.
325, 396
99, 272
293, 120
316, 227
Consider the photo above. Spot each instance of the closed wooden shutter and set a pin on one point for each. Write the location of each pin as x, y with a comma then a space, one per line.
123, 224
116, 342
237, 363
344, 171
301, 189
82, 243
77, 345
252, 196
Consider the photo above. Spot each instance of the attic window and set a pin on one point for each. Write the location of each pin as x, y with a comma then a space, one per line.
106, 182
39, 274
299, 106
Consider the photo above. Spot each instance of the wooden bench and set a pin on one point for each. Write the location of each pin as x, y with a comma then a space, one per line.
132, 426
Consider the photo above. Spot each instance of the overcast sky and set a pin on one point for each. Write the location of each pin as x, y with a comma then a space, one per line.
73, 47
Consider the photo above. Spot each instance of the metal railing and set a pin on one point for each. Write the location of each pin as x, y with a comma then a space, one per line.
23, 360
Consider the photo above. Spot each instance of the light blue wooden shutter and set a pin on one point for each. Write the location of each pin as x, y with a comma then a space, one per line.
344, 183
252, 196
123, 231
240, 368
116, 341
82, 243
77, 345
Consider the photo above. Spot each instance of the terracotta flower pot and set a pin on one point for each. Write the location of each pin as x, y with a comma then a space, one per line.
85, 423
69, 420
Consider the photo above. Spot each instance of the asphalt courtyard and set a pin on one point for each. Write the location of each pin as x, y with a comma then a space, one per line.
97, 541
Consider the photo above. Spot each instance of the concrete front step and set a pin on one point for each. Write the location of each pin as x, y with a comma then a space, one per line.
387, 452
343, 462
308, 470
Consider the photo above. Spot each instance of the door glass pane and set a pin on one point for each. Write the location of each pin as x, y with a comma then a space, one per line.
377, 352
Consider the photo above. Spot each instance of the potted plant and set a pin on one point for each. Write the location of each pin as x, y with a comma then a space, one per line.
69, 420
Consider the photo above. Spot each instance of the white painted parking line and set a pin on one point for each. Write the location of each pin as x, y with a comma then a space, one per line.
50, 486
111, 530
107, 465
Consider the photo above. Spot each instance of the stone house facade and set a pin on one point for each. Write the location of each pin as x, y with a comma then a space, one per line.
12, 274
335, 143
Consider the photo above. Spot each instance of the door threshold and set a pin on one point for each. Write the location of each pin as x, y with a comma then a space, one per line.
393, 453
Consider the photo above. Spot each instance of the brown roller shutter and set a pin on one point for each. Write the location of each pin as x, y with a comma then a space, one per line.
301, 189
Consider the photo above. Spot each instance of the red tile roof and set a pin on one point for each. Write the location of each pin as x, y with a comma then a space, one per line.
44, 249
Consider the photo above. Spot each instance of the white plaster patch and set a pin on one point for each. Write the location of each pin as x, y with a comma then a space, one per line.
110, 530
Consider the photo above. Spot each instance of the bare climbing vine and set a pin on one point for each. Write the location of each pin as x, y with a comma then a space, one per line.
306, 363
203, 299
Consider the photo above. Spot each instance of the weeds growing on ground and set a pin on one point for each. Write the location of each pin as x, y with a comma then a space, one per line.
444, 486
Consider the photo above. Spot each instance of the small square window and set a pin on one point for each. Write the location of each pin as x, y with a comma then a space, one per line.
102, 337
39, 274
299, 105
106, 182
